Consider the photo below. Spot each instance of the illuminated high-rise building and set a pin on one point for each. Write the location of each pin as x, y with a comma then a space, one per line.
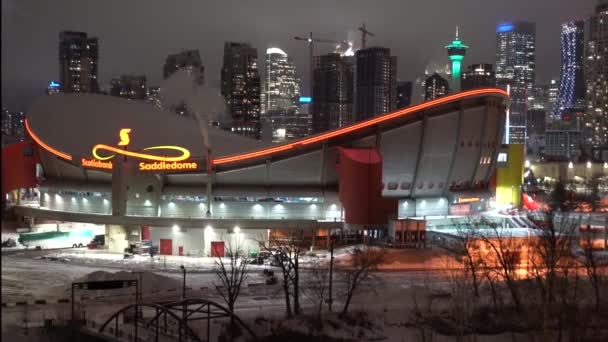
456, 51
332, 92
53, 88
153, 96
571, 93
435, 86
281, 94
375, 82
189, 60
78, 59
404, 94
13, 126
515, 72
596, 76
538, 99
241, 88
129, 87
478, 76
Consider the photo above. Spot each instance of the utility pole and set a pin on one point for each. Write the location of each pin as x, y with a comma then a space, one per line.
364, 34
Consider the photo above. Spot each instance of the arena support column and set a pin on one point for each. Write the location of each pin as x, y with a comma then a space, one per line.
210, 180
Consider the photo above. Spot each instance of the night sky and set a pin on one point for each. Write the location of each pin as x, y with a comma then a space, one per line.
135, 36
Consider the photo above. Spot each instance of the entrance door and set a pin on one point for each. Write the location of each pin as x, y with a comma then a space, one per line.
217, 249
166, 247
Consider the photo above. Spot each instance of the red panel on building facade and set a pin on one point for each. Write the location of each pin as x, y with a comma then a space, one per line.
217, 249
19, 166
166, 247
145, 233
360, 187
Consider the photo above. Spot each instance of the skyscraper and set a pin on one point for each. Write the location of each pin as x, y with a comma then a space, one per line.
129, 87
456, 51
515, 71
435, 86
539, 97
404, 94
241, 88
53, 88
478, 76
332, 96
376, 82
189, 60
78, 58
153, 96
596, 76
571, 93
281, 92
13, 126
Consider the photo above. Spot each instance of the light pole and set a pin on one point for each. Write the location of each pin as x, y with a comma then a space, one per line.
184, 302
184, 281
331, 271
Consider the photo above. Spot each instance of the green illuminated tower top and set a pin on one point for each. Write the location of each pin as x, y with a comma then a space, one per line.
456, 52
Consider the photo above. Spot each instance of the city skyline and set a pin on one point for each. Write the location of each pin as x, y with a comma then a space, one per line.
116, 38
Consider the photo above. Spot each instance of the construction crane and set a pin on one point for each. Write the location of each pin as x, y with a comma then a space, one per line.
364, 34
311, 41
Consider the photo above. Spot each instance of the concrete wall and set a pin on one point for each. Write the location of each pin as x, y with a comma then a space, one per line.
422, 207
431, 206
116, 238
197, 241
406, 208
76, 203
329, 210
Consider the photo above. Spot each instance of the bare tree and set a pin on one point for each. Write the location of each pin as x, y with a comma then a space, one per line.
316, 290
363, 261
231, 272
422, 313
552, 246
469, 246
504, 252
591, 263
286, 254
489, 273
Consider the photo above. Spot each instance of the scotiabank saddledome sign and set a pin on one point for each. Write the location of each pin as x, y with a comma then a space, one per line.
149, 162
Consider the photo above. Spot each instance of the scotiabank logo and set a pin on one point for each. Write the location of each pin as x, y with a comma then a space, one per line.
96, 164
103, 153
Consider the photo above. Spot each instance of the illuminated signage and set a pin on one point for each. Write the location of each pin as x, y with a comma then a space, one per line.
96, 164
53, 84
502, 159
468, 199
125, 140
124, 137
504, 28
167, 166
305, 99
159, 163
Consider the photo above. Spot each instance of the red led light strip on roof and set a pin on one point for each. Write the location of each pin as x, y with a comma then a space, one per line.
45, 146
360, 125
